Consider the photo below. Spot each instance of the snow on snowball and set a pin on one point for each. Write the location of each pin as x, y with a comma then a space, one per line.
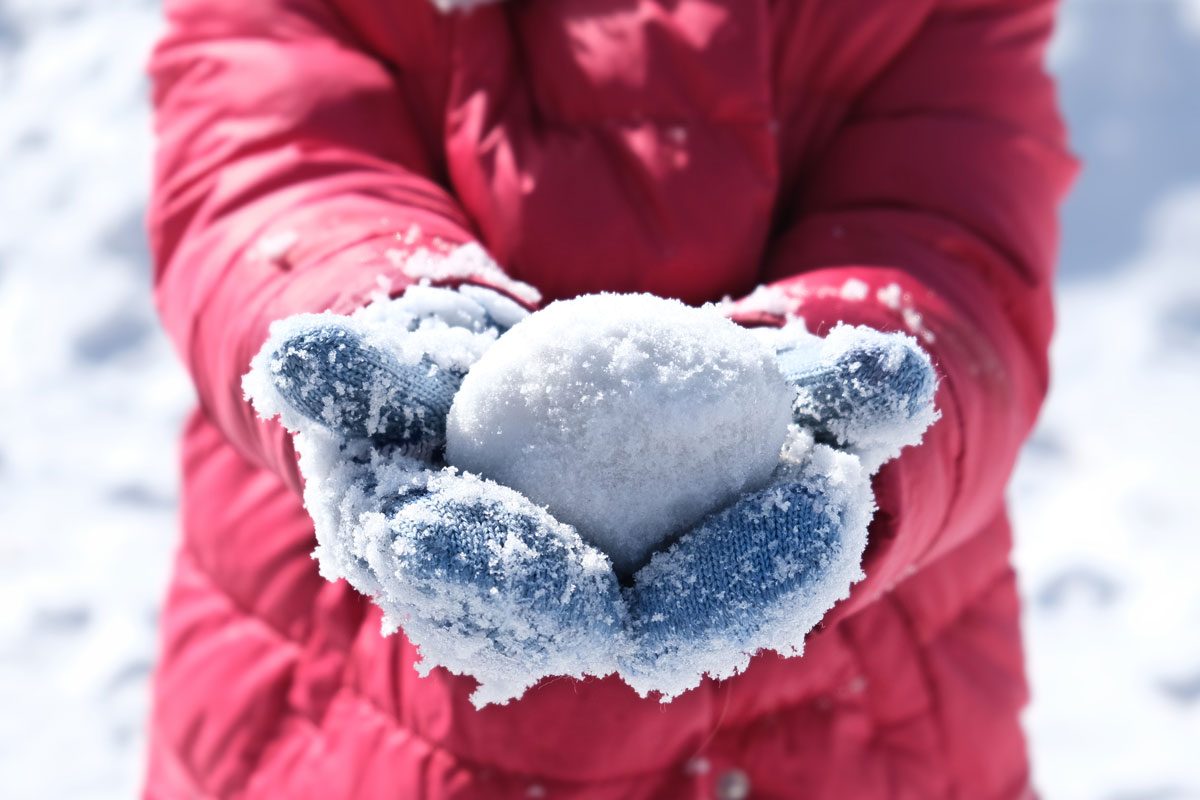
627, 416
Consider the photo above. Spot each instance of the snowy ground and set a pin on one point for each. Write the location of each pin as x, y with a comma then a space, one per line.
1108, 543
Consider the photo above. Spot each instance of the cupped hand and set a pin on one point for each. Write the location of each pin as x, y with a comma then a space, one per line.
489, 584
482, 580
761, 573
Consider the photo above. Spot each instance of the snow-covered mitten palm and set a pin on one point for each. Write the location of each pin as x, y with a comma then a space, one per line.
762, 572
484, 581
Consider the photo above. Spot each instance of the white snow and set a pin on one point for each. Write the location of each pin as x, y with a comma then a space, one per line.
627, 416
763, 299
891, 296
275, 247
466, 262
855, 290
1108, 537
482, 626
92, 401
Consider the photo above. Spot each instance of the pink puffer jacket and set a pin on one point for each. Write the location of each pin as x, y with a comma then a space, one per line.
896, 164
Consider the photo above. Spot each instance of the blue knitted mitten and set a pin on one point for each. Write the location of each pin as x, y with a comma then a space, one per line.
484, 582
761, 573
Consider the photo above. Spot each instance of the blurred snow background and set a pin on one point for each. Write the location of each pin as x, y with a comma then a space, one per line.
91, 402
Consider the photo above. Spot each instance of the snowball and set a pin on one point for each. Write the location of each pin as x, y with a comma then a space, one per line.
627, 416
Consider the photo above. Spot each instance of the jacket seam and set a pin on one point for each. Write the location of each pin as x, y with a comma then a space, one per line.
477, 765
238, 605
920, 654
933, 711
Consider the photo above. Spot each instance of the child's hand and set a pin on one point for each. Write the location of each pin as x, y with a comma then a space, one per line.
762, 573
482, 580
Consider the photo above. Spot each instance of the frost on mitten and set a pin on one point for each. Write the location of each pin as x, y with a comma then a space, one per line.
762, 572
757, 575
724, 472
484, 582
868, 392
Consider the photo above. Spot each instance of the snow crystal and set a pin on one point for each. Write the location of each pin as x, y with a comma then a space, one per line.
890, 296
895, 298
854, 289
276, 246
765, 299
628, 416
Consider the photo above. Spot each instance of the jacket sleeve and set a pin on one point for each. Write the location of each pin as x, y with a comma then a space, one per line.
934, 211
289, 177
